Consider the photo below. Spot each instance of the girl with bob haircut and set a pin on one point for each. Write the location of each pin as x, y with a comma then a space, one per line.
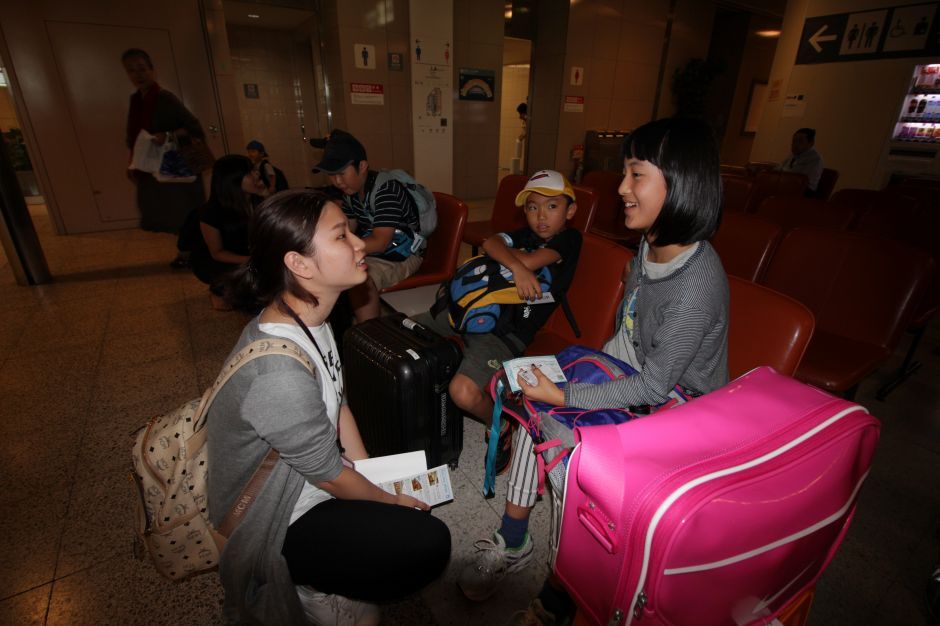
320, 542
672, 327
673, 322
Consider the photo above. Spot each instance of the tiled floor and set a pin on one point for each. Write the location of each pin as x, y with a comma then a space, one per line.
119, 337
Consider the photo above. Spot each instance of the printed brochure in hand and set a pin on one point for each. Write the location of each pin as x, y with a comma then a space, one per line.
407, 473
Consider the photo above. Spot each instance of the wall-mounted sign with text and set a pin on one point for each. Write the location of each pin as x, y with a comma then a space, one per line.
905, 31
574, 104
367, 93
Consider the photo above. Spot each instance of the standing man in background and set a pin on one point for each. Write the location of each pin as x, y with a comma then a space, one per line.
163, 206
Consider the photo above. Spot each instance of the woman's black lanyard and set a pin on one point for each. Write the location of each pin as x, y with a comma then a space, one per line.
303, 327
326, 365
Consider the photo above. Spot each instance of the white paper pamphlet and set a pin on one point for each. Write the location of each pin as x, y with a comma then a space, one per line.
547, 364
408, 473
546, 298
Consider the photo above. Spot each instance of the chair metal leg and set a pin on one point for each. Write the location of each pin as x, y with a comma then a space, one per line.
908, 367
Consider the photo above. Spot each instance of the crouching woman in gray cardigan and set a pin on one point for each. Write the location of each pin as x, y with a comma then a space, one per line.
320, 543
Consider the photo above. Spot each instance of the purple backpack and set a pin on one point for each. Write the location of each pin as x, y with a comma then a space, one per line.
580, 365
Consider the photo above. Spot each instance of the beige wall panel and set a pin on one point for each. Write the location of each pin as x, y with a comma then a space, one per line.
478, 40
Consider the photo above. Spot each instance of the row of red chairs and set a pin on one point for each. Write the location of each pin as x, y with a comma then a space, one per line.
864, 291
597, 290
858, 330
765, 327
907, 213
827, 179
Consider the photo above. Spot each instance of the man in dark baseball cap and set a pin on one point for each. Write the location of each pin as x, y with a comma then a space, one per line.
381, 211
339, 150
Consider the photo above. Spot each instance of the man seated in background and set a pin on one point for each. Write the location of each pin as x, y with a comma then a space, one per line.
386, 219
803, 158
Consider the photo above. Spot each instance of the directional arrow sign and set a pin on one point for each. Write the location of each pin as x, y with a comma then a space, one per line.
877, 33
818, 37
821, 38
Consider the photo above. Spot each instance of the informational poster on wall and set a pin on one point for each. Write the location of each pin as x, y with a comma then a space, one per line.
574, 104
432, 92
367, 93
476, 84
794, 105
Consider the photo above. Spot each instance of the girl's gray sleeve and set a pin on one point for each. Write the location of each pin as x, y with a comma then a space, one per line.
287, 411
675, 345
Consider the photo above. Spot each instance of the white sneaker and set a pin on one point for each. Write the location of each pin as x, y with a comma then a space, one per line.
332, 610
480, 578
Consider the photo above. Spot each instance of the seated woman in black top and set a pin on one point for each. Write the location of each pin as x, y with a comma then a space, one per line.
223, 225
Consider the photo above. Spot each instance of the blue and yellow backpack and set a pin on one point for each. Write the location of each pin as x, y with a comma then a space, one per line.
477, 294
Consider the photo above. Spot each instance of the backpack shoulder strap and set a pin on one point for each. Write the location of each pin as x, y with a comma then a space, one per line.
254, 350
381, 177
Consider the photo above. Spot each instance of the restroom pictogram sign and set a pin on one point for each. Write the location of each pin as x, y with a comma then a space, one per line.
889, 32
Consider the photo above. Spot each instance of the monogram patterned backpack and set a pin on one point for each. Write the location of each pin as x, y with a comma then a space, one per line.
170, 469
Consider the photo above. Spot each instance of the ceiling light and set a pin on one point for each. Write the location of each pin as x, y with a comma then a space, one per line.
767, 33
254, 16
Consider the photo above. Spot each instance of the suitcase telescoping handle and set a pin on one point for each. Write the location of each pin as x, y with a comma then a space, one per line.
417, 329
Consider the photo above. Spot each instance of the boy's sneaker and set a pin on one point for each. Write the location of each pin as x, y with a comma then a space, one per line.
535, 615
480, 578
503, 448
334, 610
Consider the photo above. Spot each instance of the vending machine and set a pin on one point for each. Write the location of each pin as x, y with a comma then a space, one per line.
914, 145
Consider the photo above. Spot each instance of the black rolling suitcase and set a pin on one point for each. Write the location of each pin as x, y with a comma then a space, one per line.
396, 381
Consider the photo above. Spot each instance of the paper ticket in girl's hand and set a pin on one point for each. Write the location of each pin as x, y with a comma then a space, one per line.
547, 364
546, 298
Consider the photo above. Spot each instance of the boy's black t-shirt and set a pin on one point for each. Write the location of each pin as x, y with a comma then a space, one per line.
525, 320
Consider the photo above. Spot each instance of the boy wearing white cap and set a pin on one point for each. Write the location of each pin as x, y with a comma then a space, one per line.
548, 201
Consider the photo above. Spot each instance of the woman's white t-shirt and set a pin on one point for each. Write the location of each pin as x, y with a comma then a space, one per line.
332, 392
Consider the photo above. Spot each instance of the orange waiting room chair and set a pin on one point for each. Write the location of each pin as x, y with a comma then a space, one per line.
765, 328
745, 244
797, 211
909, 223
827, 182
440, 258
506, 216
608, 222
866, 201
587, 200
736, 193
863, 292
768, 184
594, 296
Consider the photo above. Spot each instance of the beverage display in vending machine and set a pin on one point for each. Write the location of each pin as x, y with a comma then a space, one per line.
919, 119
